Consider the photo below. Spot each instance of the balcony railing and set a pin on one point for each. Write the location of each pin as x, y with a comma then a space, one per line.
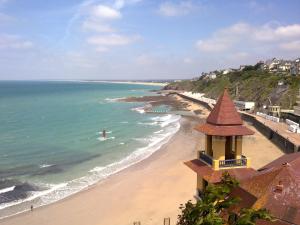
242, 162
206, 158
233, 162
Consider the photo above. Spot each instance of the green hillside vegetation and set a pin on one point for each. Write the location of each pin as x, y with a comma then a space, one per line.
253, 84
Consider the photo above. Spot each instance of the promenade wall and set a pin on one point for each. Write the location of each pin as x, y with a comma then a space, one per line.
204, 104
282, 142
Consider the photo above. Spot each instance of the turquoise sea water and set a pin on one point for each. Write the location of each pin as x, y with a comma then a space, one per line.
50, 138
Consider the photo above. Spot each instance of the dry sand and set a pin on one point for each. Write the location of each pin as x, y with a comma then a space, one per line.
259, 148
148, 192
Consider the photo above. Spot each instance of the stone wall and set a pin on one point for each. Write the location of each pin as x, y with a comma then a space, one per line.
283, 143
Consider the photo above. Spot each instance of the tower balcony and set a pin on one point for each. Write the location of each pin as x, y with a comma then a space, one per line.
224, 164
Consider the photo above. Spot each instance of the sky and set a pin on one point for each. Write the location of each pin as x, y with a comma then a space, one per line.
142, 39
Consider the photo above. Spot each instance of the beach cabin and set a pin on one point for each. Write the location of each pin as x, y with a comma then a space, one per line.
224, 131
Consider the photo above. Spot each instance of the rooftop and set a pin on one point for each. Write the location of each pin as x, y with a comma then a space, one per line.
224, 120
277, 186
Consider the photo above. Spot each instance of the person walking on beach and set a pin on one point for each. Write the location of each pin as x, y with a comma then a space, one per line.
31, 208
104, 133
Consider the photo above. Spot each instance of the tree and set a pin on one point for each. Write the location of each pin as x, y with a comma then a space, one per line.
215, 204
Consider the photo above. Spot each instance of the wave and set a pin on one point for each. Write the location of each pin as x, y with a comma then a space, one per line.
8, 189
114, 99
31, 195
164, 121
158, 132
45, 165
139, 109
53, 192
106, 139
149, 124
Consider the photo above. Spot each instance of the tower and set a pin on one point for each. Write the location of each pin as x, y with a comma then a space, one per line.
223, 151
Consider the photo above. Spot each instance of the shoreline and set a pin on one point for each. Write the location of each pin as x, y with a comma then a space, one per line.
17, 218
135, 157
147, 191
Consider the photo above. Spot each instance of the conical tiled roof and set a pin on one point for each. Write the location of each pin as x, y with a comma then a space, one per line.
224, 120
224, 112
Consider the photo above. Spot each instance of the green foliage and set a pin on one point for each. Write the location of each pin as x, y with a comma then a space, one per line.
216, 201
253, 84
250, 216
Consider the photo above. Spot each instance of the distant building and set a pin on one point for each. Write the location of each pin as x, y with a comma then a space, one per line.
226, 71
274, 110
212, 75
242, 67
244, 106
295, 67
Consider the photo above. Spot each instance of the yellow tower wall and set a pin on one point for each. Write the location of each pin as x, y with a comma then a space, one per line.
218, 147
208, 145
239, 147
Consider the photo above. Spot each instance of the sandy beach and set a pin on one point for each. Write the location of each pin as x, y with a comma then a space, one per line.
148, 191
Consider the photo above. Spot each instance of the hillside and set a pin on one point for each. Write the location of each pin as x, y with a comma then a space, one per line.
252, 85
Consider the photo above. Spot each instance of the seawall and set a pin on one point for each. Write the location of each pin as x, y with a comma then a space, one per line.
282, 142
204, 104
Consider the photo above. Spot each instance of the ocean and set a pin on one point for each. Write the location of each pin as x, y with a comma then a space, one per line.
50, 138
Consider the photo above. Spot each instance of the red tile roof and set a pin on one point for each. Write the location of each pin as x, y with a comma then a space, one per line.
214, 176
277, 188
224, 113
224, 120
223, 130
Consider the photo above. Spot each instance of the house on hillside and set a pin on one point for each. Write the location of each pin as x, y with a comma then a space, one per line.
295, 67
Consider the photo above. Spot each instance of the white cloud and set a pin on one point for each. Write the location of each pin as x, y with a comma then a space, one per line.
243, 36
99, 20
170, 9
291, 46
188, 60
105, 12
104, 42
97, 26
8, 41
289, 31
5, 18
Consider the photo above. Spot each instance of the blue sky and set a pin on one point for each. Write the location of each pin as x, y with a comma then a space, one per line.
142, 39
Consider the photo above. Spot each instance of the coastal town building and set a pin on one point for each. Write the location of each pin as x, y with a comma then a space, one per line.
274, 65
244, 106
276, 186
